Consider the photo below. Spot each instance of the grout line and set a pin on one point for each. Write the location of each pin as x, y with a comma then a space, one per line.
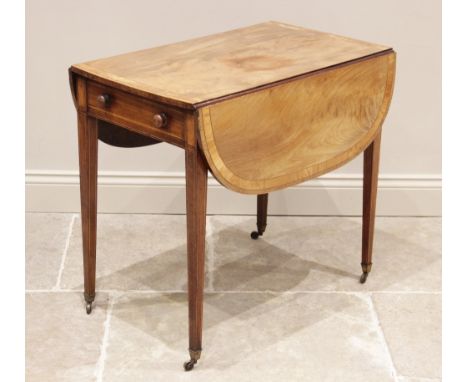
404, 292
269, 291
64, 254
381, 334
209, 254
99, 372
357, 293
421, 379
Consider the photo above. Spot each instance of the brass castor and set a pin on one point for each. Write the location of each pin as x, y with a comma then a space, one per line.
194, 357
366, 268
89, 301
190, 364
254, 235
363, 278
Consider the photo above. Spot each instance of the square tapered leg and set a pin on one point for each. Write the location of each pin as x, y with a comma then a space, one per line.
262, 211
196, 183
371, 175
88, 152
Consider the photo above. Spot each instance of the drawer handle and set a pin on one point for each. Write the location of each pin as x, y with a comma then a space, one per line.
160, 120
104, 99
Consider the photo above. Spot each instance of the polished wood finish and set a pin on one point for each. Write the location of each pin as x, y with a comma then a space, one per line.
88, 159
298, 130
160, 120
262, 212
196, 193
371, 174
212, 67
136, 113
262, 108
104, 99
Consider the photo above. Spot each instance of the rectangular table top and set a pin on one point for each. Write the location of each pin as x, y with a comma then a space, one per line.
194, 72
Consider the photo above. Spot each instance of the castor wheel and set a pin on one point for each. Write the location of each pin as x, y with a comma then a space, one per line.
89, 308
363, 278
254, 235
366, 268
190, 364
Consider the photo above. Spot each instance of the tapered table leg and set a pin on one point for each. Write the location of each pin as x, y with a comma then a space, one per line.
196, 183
262, 211
88, 153
371, 174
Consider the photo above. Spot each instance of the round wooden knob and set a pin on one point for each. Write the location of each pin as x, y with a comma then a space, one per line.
104, 99
160, 120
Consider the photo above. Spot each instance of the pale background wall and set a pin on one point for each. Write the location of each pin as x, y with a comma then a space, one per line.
62, 32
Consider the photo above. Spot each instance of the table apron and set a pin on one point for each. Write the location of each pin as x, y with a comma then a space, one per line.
136, 127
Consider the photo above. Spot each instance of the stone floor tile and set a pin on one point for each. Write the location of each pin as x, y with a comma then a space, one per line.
62, 341
324, 253
406, 379
46, 237
412, 328
133, 252
248, 337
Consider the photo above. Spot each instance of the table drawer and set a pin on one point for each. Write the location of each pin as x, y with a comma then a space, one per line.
136, 113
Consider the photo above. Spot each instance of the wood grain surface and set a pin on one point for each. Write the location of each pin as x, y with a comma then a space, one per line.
137, 113
369, 200
88, 163
211, 67
196, 172
274, 138
262, 108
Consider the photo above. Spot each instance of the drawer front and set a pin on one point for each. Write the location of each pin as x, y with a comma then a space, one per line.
136, 113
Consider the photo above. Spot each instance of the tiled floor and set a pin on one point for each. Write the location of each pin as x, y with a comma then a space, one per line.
287, 307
